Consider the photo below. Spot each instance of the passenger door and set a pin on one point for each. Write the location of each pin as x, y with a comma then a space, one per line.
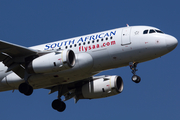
125, 39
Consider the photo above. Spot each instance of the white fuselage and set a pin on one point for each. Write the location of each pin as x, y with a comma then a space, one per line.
97, 52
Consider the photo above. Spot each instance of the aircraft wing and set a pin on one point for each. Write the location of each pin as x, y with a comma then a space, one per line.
12, 55
14, 50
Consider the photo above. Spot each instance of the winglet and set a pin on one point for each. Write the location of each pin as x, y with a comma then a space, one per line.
127, 25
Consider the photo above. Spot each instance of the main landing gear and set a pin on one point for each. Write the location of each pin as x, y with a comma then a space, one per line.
135, 78
26, 89
58, 104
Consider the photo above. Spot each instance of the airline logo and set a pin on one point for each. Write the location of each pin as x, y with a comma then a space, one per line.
83, 39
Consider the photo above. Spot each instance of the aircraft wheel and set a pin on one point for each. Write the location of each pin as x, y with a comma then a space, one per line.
25, 89
30, 91
58, 105
62, 107
136, 79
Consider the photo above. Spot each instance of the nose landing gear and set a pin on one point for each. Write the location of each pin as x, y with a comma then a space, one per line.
135, 78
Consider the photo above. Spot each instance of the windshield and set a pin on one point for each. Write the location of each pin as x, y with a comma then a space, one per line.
152, 31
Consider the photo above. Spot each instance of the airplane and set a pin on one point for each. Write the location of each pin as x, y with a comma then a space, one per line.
69, 66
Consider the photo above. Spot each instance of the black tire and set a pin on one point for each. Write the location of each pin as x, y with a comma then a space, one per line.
62, 107
58, 105
136, 79
30, 91
23, 88
55, 104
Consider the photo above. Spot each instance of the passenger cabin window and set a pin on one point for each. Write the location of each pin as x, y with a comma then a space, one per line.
152, 31
145, 32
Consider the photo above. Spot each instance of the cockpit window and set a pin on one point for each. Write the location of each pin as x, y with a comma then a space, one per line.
152, 31
158, 31
145, 32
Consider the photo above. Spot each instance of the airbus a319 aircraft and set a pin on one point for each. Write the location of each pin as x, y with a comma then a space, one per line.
69, 66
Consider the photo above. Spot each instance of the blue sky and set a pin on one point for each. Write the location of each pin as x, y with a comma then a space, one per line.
34, 22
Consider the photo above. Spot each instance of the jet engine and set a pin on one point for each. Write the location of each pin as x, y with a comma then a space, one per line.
52, 62
100, 88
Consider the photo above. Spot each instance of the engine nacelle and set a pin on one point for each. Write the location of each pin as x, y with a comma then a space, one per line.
101, 87
52, 62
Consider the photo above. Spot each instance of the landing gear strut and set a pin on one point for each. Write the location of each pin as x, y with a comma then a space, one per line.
135, 78
58, 104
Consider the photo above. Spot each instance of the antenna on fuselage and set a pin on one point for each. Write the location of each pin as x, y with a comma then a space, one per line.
127, 25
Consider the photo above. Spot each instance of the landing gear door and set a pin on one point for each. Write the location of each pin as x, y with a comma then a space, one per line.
125, 39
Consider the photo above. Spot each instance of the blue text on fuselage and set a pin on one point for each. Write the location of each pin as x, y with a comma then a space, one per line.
81, 39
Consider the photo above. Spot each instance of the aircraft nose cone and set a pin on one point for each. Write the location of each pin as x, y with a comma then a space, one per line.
171, 43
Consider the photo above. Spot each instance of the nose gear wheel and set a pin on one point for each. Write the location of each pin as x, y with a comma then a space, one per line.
135, 78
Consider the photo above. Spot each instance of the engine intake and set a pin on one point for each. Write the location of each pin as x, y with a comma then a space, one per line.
52, 62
